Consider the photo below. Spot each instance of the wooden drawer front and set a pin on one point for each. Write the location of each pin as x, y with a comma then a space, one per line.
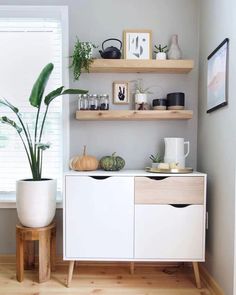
169, 190
165, 232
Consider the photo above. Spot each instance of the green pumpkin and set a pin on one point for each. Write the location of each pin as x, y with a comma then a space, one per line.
112, 163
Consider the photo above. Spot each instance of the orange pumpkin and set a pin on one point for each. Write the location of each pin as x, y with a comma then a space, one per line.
84, 162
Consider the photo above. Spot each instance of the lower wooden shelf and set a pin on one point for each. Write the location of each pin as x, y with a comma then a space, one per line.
134, 115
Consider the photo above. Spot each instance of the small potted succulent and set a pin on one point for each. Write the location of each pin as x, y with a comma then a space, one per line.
156, 160
81, 57
161, 51
141, 95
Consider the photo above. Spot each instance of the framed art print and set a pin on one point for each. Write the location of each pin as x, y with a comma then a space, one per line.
217, 77
120, 92
137, 44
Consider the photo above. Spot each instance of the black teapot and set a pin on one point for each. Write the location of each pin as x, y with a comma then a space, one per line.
111, 52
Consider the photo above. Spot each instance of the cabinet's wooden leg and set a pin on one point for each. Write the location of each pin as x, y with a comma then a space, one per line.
70, 273
44, 256
19, 256
132, 268
197, 275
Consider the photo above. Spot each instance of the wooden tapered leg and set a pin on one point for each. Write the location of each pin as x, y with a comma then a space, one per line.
44, 256
132, 268
53, 250
19, 256
29, 255
197, 275
70, 273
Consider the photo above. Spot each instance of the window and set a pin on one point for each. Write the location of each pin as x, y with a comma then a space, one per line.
27, 45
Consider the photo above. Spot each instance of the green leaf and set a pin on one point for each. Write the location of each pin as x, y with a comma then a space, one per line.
9, 105
6, 120
39, 86
43, 146
55, 93
74, 91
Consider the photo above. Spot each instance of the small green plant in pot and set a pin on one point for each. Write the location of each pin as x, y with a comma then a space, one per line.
81, 57
36, 197
156, 160
160, 51
141, 95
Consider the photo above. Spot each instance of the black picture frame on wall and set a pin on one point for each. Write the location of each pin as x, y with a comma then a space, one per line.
217, 77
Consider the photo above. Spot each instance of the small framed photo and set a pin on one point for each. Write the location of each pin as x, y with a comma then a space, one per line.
217, 77
137, 44
120, 92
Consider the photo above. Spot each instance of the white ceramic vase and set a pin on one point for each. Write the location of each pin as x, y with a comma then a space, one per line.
174, 50
36, 202
161, 55
140, 98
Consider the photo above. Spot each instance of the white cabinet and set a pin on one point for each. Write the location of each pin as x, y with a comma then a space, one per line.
169, 232
99, 218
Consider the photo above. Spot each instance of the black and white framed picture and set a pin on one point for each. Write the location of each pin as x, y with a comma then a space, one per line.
137, 44
121, 92
217, 77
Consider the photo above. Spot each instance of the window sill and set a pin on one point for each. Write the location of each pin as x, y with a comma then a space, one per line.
8, 200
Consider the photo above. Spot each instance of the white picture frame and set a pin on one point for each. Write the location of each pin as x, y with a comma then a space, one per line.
121, 92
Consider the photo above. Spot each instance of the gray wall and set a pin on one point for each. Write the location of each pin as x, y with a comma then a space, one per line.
95, 21
216, 143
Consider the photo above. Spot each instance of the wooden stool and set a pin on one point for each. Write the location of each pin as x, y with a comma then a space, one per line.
25, 237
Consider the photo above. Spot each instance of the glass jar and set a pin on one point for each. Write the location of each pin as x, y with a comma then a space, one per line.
83, 102
104, 102
93, 102
79, 101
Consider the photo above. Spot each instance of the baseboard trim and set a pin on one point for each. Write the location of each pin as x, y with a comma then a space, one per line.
210, 282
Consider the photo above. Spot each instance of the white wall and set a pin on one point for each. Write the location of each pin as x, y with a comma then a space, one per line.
216, 143
96, 21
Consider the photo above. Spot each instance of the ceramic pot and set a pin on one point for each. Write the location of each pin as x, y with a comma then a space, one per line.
155, 165
174, 50
140, 98
36, 201
161, 55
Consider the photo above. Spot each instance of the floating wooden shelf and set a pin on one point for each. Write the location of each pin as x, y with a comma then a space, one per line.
141, 66
132, 115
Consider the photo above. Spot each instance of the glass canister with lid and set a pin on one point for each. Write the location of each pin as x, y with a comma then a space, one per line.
93, 102
83, 102
104, 102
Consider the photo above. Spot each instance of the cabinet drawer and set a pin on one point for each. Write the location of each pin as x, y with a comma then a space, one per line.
166, 232
169, 190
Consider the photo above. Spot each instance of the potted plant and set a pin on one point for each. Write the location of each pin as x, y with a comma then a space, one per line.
36, 197
81, 57
161, 51
156, 160
141, 94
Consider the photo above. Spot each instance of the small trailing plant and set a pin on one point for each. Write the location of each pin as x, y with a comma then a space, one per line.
159, 48
156, 159
81, 57
33, 145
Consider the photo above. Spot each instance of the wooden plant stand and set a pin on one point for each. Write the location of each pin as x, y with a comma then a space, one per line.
25, 250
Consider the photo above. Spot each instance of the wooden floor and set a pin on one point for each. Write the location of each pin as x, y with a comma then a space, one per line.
104, 279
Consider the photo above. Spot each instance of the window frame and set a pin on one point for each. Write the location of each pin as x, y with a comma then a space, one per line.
8, 199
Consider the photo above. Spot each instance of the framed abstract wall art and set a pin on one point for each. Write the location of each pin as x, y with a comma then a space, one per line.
217, 77
120, 92
137, 44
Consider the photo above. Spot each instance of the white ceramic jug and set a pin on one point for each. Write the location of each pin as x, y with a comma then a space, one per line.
174, 150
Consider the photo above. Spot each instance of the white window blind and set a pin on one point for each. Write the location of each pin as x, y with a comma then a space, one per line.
26, 46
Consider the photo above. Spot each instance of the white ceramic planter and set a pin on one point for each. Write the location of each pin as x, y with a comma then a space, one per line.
161, 55
155, 165
36, 202
141, 98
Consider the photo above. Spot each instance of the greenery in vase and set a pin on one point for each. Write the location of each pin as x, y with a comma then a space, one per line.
81, 57
159, 48
140, 88
156, 159
33, 145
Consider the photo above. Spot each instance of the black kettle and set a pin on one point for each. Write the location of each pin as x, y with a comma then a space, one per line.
111, 52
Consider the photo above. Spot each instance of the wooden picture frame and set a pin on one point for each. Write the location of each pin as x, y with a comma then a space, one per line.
137, 44
121, 92
217, 77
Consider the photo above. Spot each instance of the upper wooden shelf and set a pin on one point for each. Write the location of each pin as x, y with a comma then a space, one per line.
141, 66
133, 115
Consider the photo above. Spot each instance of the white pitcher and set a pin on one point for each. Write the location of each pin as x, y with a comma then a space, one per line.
174, 150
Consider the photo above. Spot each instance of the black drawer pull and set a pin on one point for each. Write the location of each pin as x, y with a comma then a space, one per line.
157, 177
100, 177
180, 205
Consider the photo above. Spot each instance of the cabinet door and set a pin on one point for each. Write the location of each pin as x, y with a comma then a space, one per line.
99, 217
167, 232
